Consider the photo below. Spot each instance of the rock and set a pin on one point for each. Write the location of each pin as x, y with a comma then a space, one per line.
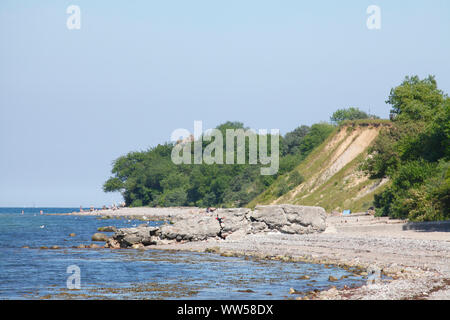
112, 244
233, 220
257, 227
293, 291
239, 234
212, 250
43, 247
291, 219
99, 237
272, 216
94, 246
227, 254
247, 291
331, 278
81, 246
54, 247
107, 229
305, 277
127, 237
72, 235
230, 224
193, 228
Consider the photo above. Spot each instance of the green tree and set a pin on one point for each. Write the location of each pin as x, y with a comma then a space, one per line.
414, 153
348, 114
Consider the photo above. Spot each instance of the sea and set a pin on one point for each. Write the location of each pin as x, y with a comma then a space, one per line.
30, 271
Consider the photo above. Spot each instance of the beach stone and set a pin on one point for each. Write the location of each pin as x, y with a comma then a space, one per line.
112, 244
99, 237
331, 278
107, 229
72, 235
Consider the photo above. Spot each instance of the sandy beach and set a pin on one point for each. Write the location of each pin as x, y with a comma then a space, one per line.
416, 257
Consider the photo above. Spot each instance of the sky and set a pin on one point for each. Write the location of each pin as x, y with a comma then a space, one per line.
72, 101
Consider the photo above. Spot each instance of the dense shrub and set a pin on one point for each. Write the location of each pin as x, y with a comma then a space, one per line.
414, 153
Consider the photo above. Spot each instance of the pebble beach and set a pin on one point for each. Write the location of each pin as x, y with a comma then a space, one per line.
416, 258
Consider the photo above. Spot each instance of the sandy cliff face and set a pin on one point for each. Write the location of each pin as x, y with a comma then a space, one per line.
332, 176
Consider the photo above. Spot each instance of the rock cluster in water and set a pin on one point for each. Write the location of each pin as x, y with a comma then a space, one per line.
224, 224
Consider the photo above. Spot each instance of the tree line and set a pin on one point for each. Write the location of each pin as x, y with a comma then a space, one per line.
413, 153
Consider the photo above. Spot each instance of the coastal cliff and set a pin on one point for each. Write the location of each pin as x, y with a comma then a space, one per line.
332, 178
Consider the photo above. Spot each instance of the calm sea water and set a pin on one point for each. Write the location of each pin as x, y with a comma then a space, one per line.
34, 273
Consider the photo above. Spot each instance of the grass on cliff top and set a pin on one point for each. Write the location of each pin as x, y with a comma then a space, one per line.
333, 194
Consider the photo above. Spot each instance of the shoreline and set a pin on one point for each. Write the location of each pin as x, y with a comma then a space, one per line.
417, 259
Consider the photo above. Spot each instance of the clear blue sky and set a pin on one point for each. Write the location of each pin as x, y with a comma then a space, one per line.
73, 101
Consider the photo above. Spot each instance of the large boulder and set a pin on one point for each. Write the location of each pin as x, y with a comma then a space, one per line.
230, 224
127, 237
290, 218
194, 228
